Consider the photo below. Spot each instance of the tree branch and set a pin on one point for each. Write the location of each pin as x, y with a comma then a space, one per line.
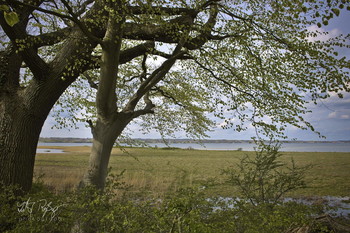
166, 55
167, 95
90, 81
30, 55
200, 40
137, 10
148, 109
220, 79
81, 25
154, 78
106, 97
48, 38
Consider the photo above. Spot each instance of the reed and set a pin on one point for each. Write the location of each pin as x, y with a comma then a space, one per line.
158, 171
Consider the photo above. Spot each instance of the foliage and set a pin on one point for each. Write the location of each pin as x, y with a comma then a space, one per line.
11, 17
38, 211
245, 62
186, 210
264, 178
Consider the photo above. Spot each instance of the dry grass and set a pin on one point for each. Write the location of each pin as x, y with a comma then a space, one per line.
156, 171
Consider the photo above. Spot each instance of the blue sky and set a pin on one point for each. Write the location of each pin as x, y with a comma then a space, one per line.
331, 117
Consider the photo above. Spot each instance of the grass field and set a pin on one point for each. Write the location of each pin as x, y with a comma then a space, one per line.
156, 171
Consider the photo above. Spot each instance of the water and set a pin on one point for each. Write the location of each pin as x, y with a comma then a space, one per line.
245, 146
49, 151
338, 206
63, 144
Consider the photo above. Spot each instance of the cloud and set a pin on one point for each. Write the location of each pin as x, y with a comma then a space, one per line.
323, 35
225, 123
344, 116
332, 115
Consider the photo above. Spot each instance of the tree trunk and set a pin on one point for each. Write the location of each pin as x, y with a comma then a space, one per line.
19, 134
104, 137
23, 112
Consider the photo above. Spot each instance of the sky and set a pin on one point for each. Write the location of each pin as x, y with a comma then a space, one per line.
331, 117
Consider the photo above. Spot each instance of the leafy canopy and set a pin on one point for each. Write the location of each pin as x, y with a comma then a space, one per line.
246, 62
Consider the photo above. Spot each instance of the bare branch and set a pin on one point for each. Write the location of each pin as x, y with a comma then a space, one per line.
148, 102
200, 40
90, 81
167, 95
166, 55
49, 38
161, 10
83, 7
220, 79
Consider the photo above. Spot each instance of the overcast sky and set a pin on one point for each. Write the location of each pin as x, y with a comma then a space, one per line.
331, 117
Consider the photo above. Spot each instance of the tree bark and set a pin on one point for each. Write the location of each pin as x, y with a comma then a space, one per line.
110, 123
23, 111
19, 134
104, 136
20, 127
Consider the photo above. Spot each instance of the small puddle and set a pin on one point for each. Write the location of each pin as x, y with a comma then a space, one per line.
340, 206
48, 151
336, 206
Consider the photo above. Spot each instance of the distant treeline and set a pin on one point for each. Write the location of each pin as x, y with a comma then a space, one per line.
172, 141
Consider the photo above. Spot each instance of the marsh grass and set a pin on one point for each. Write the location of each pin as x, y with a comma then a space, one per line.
157, 171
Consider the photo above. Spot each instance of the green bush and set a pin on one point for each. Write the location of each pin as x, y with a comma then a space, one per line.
263, 178
38, 211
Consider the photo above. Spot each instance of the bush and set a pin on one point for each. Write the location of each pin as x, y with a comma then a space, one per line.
263, 178
39, 211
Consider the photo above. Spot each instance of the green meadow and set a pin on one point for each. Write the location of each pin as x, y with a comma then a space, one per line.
157, 171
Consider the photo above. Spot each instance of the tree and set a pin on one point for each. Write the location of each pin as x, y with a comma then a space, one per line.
42, 54
221, 56
243, 56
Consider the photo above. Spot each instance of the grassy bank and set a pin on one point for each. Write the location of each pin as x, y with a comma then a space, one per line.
156, 171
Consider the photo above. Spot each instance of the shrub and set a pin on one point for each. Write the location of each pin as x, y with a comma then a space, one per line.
263, 178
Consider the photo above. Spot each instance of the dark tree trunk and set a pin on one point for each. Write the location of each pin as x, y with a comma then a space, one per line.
19, 134
23, 111
22, 115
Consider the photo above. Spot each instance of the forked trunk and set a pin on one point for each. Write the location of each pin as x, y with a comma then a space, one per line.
104, 136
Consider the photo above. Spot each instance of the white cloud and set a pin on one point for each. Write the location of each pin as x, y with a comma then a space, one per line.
225, 123
332, 115
323, 35
344, 116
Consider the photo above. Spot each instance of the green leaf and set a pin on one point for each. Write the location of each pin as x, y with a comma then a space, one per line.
11, 18
4, 8
336, 11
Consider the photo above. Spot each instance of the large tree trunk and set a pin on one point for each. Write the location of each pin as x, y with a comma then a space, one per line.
22, 115
104, 137
20, 125
23, 111
19, 134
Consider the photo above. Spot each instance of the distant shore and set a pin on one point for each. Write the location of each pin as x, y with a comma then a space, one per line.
173, 141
